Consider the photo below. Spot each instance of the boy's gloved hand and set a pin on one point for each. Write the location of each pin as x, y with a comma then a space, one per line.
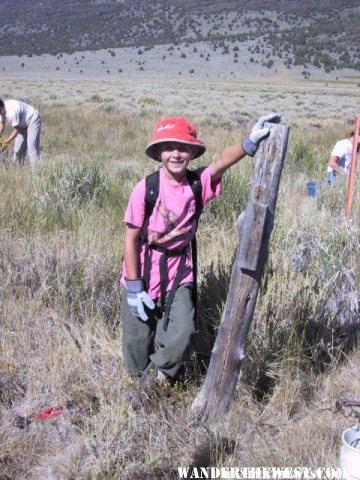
251, 143
137, 298
5, 141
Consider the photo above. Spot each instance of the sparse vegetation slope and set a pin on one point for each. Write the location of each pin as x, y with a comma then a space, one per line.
306, 33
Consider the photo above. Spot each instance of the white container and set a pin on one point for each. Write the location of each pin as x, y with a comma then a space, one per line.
350, 452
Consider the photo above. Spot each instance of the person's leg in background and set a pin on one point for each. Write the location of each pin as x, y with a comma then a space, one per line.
20, 145
33, 141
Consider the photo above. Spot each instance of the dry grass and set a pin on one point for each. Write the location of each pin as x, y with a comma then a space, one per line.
60, 249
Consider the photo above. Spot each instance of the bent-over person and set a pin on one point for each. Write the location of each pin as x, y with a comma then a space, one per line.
26, 127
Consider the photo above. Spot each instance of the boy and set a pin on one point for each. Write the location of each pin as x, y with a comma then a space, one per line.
158, 302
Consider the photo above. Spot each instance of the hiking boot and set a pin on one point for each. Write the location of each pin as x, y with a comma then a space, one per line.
153, 382
152, 385
132, 395
134, 398
161, 377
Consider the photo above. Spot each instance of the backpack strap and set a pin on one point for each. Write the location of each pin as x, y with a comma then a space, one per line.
152, 185
195, 184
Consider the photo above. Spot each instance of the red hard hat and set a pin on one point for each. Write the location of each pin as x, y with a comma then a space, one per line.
174, 129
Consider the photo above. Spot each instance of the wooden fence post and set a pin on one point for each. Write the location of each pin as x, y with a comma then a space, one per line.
255, 226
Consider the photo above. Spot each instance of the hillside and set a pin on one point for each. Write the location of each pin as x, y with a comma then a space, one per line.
310, 34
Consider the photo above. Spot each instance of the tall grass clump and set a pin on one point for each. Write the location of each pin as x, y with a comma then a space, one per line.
302, 157
232, 200
69, 187
18, 207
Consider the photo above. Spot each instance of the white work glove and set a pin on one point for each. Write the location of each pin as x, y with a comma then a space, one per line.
251, 143
137, 298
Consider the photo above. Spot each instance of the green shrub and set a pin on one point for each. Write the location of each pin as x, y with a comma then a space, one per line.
74, 184
301, 157
68, 187
231, 202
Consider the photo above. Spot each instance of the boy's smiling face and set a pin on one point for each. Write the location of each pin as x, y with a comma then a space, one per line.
175, 157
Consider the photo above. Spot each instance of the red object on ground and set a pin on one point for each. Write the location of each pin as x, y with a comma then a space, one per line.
46, 414
51, 412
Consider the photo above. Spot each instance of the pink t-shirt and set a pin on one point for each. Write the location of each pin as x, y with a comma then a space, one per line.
171, 225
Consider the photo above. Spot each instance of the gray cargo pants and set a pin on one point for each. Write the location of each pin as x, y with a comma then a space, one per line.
146, 341
28, 140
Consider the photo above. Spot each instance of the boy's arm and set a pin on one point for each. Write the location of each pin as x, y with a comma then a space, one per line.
229, 156
130, 251
248, 146
137, 298
8, 140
